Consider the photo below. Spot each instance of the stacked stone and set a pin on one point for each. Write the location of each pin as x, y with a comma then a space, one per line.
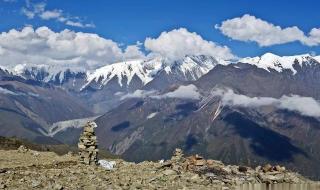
88, 146
177, 155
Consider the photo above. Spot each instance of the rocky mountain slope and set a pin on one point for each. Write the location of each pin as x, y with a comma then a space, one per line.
20, 169
28, 107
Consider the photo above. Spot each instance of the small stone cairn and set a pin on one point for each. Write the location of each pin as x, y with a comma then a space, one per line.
177, 155
23, 149
88, 147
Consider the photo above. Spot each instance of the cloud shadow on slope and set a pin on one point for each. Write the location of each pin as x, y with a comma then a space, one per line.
264, 142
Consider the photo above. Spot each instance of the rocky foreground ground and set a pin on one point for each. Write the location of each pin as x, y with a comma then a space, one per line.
28, 169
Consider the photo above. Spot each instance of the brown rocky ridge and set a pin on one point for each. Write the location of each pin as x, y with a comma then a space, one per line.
29, 169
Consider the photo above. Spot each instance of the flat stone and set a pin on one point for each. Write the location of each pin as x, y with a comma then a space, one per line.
35, 183
169, 172
200, 162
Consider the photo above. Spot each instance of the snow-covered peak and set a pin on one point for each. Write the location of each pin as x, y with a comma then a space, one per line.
191, 67
196, 66
127, 69
45, 73
279, 63
188, 68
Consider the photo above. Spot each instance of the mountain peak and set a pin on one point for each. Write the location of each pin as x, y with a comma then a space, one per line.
127, 69
190, 68
271, 61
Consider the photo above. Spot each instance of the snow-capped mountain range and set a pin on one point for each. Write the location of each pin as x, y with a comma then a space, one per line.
190, 68
270, 61
151, 74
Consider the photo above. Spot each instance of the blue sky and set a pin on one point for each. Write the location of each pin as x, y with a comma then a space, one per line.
129, 21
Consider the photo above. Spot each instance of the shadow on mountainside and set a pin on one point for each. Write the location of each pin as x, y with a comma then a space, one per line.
264, 142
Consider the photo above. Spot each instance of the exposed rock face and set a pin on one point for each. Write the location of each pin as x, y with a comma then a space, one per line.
88, 147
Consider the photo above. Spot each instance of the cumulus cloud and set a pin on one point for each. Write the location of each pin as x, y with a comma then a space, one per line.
42, 46
249, 28
31, 10
182, 92
178, 43
315, 35
304, 105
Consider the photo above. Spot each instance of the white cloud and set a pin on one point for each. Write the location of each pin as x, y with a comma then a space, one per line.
54, 14
10, 1
29, 14
180, 42
315, 35
182, 92
304, 105
32, 10
139, 94
79, 24
44, 47
67, 48
249, 28
133, 52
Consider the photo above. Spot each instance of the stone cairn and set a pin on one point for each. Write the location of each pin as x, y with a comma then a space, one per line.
88, 147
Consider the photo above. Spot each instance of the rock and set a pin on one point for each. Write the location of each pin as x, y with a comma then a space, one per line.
177, 155
258, 168
242, 169
200, 163
35, 153
57, 187
214, 162
3, 186
269, 178
169, 172
66, 173
87, 145
267, 168
35, 183
22, 149
3, 171
108, 165
195, 178
279, 168
225, 170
